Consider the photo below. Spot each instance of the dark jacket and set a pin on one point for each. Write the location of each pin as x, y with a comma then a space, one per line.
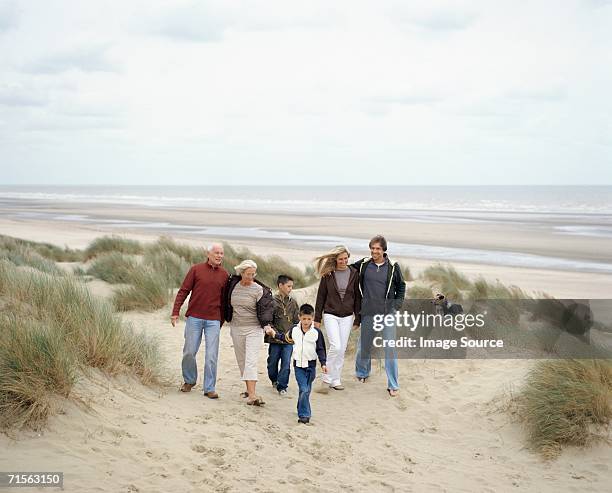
396, 287
286, 316
328, 297
265, 305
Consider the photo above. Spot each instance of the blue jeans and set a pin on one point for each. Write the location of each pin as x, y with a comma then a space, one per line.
282, 353
304, 377
194, 327
363, 360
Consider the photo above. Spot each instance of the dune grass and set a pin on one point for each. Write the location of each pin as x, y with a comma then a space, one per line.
21, 252
481, 289
168, 264
419, 292
149, 290
34, 367
107, 244
45, 250
406, 273
25, 256
447, 280
192, 255
566, 402
113, 267
52, 330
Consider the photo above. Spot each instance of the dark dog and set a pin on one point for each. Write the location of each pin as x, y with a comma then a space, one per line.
444, 307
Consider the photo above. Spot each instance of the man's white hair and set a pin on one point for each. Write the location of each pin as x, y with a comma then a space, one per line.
245, 264
212, 246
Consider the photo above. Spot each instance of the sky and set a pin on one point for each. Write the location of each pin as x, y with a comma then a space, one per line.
305, 93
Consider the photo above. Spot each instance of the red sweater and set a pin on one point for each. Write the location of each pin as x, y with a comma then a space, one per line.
206, 285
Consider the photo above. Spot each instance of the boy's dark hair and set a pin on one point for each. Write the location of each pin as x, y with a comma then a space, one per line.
283, 279
380, 239
306, 309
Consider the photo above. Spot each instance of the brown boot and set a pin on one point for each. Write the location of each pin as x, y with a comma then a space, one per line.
211, 395
186, 387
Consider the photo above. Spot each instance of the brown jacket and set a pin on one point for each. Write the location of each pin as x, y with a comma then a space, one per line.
328, 298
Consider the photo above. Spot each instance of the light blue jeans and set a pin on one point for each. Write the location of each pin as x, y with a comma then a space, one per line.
363, 359
194, 327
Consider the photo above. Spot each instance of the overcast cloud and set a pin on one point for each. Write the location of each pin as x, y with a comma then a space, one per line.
277, 92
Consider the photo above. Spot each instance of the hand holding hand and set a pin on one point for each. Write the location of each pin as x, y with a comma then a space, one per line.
270, 331
173, 320
324, 369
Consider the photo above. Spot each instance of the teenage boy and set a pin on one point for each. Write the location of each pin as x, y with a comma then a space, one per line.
286, 316
308, 345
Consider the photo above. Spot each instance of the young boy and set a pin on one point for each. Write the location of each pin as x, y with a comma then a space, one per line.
308, 344
286, 316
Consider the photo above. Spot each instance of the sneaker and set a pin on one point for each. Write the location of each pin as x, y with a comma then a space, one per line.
283, 393
304, 421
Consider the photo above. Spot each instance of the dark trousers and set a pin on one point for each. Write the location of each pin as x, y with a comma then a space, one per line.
304, 377
282, 353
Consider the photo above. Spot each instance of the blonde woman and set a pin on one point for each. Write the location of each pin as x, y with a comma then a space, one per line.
250, 309
338, 306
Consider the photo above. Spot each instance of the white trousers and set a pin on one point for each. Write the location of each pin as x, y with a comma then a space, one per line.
338, 330
247, 345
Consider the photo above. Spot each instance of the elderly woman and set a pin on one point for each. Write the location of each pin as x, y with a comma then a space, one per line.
250, 309
338, 306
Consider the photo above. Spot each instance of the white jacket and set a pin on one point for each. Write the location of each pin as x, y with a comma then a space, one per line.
307, 346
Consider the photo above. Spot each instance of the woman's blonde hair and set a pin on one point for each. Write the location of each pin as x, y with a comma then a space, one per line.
245, 264
326, 263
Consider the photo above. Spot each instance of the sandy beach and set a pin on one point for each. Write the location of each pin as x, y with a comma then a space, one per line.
445, 432
63, 224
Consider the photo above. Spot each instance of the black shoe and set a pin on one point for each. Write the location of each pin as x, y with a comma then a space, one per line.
274, 384
304, 420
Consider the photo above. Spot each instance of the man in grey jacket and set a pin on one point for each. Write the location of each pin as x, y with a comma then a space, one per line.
383, 290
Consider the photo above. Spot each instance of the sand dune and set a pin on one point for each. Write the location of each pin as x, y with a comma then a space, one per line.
443, 433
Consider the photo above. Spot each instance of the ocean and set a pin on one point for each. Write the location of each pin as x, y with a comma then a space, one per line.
565, 210
422, 202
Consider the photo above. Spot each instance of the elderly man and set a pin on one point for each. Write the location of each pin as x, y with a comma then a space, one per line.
206, 282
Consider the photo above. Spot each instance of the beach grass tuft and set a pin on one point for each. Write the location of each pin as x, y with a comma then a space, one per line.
482, 289
46, 250
35, 365
447, 280
406, 273
118, 244
51, 330
168, 263
419, 292
148, 291
113, 267
566, 402
192, 255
